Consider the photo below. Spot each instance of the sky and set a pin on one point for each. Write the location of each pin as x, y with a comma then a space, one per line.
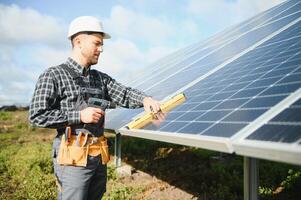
33, 34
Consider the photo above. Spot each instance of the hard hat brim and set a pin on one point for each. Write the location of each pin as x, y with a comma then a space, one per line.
105, 35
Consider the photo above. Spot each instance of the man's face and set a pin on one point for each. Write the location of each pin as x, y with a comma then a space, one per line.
91, 47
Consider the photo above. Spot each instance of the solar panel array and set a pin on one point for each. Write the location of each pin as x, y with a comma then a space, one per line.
249, 72
189, 63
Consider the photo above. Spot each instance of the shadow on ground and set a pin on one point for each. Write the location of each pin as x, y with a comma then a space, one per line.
205, 174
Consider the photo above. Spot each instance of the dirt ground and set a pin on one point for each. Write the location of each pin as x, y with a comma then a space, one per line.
155, 189
167, 171
170, 172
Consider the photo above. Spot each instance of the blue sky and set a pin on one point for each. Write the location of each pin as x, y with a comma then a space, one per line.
33, 34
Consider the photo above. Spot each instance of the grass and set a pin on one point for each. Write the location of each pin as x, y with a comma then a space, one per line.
26, 170
25, 161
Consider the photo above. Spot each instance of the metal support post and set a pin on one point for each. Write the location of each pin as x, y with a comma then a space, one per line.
251, 178
118, 150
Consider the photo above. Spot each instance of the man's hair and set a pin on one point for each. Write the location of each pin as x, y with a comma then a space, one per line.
82, 32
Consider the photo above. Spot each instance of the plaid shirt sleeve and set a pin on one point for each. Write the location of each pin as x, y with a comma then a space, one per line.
44, 110
124, 96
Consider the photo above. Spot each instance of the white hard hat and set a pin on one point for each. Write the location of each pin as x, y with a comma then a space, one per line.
86, 24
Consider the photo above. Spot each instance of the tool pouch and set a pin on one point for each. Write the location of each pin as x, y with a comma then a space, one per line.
100, 147
104, 149
75, 152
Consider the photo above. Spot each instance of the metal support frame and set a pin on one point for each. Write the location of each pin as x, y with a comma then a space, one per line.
251, 178
251, 171
117, 150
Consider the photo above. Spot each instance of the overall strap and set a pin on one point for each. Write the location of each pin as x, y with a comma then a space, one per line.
75, 76
95, 74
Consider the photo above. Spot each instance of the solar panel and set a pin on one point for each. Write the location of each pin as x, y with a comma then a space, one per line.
242, 89
221, 102
188, 64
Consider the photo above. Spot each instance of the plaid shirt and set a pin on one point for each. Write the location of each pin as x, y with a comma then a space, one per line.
56, 93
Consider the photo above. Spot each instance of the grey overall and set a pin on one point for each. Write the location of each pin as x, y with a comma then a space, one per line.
80, 182
74, 182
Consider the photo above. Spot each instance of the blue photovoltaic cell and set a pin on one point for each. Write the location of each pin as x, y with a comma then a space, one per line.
289, 115
284, 127
284, 89
277, 133
193, 127
225, 89
205, 105
212, 116
232, 103
244, 115
189, 116
172, 127
264, 102
223, 129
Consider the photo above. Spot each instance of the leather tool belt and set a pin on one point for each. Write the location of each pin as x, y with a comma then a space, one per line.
74, 149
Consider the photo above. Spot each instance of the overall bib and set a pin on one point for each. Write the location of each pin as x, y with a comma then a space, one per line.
79, 165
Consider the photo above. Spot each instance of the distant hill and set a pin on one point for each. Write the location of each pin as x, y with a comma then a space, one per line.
13, 108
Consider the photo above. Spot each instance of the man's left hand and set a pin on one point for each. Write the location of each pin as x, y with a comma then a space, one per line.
151, 105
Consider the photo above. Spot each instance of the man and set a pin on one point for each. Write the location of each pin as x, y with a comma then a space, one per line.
61, 100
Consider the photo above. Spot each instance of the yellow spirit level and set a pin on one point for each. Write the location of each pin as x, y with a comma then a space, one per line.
165, 107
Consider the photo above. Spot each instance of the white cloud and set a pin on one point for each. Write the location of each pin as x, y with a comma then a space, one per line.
222, 13
6, 52
19, 74
48, 56
25, 25
122, 57
29, 43
119, 54
190, 27
157, 52
16, 84
135, 26
150, 57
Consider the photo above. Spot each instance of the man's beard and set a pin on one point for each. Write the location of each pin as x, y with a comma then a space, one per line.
94, 60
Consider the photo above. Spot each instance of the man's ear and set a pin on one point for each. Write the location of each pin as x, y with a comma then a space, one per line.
76, 41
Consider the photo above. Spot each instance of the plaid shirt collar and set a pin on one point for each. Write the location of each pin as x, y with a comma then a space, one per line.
77, 67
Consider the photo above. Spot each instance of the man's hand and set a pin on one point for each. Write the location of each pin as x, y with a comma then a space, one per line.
91, 115
158, 119
151, 105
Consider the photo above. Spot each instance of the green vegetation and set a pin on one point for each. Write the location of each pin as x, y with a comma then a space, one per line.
4, 116
25, 162
26, 170
26, 167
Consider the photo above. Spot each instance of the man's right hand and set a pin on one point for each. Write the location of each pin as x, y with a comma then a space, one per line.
91, 115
